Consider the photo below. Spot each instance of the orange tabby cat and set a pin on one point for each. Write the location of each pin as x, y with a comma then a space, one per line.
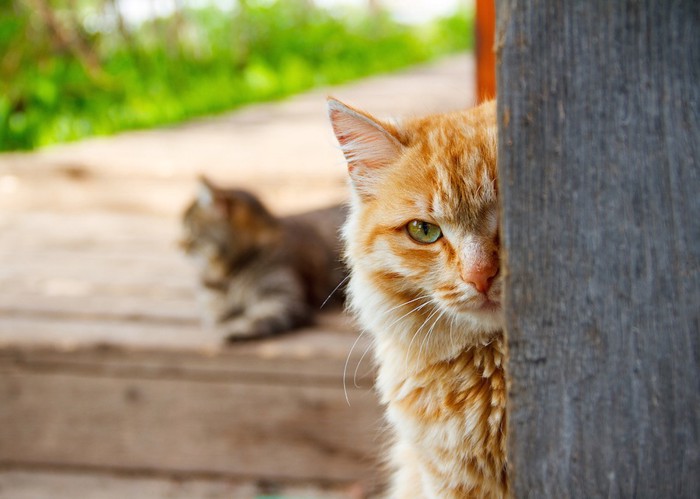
422, 243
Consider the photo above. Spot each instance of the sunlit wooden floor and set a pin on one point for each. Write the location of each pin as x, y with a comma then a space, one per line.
109, 383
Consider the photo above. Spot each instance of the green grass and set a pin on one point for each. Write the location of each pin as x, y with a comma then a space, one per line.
214, 61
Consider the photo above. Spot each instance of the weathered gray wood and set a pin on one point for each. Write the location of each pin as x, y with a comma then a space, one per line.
599, 114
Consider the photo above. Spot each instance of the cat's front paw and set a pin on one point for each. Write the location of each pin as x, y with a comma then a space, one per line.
240, 329
245, 328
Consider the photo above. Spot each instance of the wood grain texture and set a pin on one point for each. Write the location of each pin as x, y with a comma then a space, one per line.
187, 426
15, 484
599, 113
168, 399
484, 49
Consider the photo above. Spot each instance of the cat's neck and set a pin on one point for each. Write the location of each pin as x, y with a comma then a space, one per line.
400, 367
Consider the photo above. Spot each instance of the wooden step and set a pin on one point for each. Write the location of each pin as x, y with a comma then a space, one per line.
105, 366
279, 408
40, 484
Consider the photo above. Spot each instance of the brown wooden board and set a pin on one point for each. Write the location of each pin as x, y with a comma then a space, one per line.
39, 484
66, 484
104, 365
329, 351
154, 396
237, 428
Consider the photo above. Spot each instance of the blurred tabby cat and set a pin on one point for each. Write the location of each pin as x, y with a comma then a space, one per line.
422, 243
260, 274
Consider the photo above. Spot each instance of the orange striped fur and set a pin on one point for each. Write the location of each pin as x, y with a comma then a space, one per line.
433, 308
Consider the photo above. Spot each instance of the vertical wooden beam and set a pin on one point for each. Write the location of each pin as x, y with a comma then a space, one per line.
599, 116
485, 56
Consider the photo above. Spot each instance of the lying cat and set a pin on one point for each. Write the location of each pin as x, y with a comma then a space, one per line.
422, 243
260, 274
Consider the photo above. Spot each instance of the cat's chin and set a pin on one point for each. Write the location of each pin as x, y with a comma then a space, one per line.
489, 307
486, 316
479, 305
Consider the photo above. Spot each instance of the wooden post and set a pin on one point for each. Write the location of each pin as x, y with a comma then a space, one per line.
485, 56
599, 116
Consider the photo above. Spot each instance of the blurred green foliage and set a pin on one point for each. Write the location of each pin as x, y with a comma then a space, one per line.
75, 68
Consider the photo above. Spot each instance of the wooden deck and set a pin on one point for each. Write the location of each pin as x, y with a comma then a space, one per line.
109, 383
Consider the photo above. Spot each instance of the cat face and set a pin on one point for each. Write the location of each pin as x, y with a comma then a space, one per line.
425, 211
221, 227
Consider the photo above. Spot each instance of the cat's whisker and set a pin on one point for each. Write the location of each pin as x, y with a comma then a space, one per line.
387, 312
452, 323
347, 361
335, 289
430, 331
404, 303
357, 368
427, 333
410, 312
408, 350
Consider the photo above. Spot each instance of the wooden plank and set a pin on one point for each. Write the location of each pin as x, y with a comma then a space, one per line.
332, 337
599, 150
70, 333
89, 269
63, 275
94, 265
64, 255
273, 408
163, 197
18, 484
331, 348
266, 365
184, 426
128, 303
89, 229
485, 55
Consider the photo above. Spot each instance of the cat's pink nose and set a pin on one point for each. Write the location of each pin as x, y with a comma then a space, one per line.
481, 276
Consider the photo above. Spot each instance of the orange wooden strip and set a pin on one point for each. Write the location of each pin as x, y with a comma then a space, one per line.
485, 55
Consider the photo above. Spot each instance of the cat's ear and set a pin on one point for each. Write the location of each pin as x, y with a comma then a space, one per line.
205, 191
368, 144
210, 197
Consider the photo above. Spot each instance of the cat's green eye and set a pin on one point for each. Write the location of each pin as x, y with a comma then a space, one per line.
423, 232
